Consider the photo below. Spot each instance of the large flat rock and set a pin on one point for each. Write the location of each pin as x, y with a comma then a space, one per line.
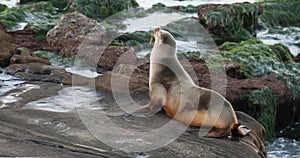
34, 132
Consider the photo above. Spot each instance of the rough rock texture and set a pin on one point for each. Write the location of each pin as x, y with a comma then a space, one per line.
30, 68
26, 38
70, 32
6, 37
292, 131
7, 48
1, 27
107, 58
137, 80
63, 133
25, 59
297, 58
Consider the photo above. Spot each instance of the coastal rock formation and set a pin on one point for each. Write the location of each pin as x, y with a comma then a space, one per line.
7, 48
262, 81
70, 31
63, 132
234, 22
99, 10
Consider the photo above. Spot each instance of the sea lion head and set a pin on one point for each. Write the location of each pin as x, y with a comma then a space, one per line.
163, 37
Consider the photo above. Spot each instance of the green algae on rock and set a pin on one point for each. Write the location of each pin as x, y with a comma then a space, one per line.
257, 59
11, 16
55, 59
234, 22
135, 39
280, 13
98, 9
60, 4
40, 15
2, 7
262, 102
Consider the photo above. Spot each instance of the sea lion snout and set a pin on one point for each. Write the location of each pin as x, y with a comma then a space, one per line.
156, 32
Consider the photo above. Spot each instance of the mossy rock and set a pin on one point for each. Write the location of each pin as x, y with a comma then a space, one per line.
39, 7
234, 22
187, 9
40, 15
183, 9
2, 7
60, 61
60, 4
40, 37
55, 59
257, 59
10, 17
99, 9
262, 102
132, 39
280, 13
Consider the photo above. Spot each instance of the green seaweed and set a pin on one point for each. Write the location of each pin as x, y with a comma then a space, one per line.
262, 101
135, 39
60, 4
99, 9
11, 16
236, 22
41, 15
188, 9
55, 59
280, 13
40, 37
257, 59
60, 61
2, 7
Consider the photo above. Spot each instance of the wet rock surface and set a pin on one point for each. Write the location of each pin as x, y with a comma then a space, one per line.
62, 133
292, 131
59, 130
7, 48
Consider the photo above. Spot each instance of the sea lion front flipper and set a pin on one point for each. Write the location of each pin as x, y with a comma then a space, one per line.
158, 97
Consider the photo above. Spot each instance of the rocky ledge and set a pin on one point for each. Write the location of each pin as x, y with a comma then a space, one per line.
39, 111
57, 130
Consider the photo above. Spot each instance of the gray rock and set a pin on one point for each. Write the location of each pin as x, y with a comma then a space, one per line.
25, 132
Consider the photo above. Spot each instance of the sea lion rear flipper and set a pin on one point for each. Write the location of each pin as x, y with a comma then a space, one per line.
239, 130
243, 130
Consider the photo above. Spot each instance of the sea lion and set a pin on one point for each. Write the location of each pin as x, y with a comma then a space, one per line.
172, 88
